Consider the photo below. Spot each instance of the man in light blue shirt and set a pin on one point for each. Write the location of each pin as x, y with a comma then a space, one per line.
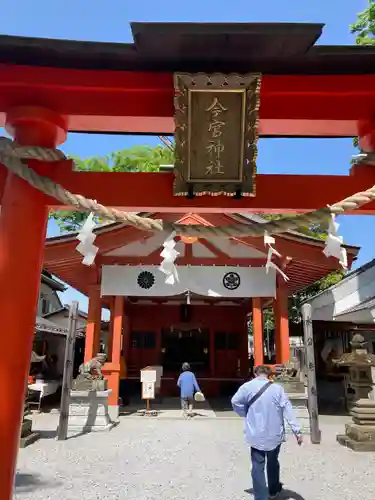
264, 429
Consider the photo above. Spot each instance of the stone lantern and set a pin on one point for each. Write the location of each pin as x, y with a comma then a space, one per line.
360, 382
360, 379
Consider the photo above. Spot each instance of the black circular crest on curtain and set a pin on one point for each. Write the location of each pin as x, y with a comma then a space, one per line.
146, 280
231, 281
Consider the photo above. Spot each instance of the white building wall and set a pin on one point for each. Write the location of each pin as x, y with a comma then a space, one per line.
48, 299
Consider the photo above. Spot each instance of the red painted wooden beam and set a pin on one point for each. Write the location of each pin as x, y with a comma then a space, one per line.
133, 102
153, 192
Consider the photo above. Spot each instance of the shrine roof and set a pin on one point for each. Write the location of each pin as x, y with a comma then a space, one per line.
44, 325
354, 274
65, 309
351, 300
366, 304
51, 282
270, 48
121, 244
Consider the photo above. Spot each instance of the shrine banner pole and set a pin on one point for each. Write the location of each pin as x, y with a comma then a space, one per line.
315, 433
62, 433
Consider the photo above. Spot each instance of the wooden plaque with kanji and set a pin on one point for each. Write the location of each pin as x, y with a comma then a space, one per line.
216, 134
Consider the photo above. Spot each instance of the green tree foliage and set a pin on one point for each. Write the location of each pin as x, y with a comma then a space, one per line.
313, 289
364, 29
314, 230
136, 159
296, 300
318, 231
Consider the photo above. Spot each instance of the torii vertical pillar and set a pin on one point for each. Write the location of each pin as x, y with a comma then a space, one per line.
23, 224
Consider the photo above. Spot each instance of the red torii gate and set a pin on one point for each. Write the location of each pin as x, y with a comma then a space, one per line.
48, 88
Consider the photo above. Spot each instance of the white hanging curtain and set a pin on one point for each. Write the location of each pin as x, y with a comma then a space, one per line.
217, 281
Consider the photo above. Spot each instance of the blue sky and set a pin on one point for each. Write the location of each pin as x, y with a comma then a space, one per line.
109, 21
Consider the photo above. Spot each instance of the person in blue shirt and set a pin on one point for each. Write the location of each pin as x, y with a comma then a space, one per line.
188, 386
264, 429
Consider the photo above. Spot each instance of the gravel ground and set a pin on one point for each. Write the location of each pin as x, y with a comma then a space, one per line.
148, 459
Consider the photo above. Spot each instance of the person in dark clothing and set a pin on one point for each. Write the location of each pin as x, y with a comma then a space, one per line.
188, 385
251, 366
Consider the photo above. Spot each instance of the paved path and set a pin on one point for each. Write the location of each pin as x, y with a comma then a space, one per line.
147, 459
171, 408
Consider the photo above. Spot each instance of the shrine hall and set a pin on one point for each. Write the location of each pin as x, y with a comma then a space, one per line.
202, 318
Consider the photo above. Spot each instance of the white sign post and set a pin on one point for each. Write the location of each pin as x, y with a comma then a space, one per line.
148, 390
148, 380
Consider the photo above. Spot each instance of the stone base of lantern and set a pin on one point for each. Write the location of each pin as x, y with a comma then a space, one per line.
88, 412
27, 435
360, 435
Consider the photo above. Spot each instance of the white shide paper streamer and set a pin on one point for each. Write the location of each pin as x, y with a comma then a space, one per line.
268, 242
87, 238
333, 243
169, 255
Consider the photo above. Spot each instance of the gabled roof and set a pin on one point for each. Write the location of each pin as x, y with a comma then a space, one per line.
366, 304
124, 245
350, 300
65, 308
350, 275
49, 280
46, 326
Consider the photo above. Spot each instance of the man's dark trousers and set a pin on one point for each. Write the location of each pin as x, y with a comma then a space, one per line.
262, 461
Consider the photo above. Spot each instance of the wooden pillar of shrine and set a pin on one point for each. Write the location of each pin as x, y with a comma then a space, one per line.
257, 331
110, 329
281, 319
126, 331
93, 325
244, 351
23, 224
112, 369
211, 352
158, 346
